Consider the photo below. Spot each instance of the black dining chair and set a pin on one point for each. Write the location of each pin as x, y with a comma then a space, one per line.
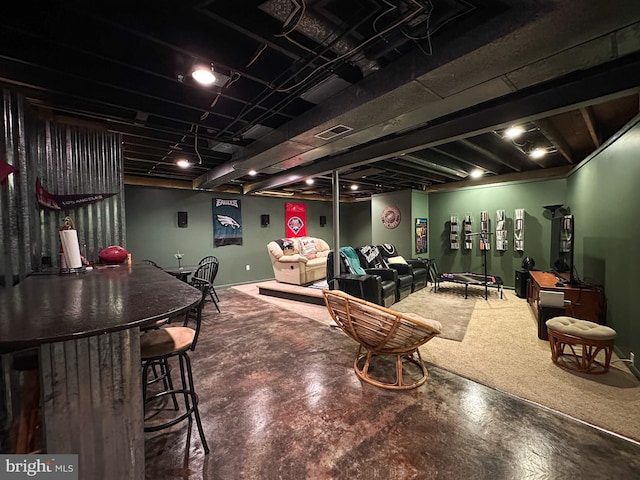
210, 273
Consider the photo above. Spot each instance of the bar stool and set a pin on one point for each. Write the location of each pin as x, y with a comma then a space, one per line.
29, 431
157, 347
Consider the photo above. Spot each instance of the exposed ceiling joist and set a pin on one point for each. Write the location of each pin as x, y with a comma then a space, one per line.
422, 89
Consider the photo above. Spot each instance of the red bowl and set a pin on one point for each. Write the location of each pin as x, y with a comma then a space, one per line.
113, 255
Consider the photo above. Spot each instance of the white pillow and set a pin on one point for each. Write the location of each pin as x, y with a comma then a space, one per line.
308, 247
398, 259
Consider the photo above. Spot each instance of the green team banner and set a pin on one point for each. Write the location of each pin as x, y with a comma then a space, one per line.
227, 222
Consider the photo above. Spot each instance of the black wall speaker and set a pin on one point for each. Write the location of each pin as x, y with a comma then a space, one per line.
182, 219
323, 220
264, 220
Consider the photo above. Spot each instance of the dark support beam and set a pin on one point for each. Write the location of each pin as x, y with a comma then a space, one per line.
555, 172
555, 137
448, 157
417, 173
490, 155
613, 80
590, 122
457, 150
443, 170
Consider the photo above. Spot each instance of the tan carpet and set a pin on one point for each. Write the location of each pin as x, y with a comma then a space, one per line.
501, 349
448, 306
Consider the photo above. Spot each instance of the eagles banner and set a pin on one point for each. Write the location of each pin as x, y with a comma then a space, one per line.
227, 222
295, 220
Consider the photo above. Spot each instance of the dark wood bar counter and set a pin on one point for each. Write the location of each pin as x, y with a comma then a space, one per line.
86, 327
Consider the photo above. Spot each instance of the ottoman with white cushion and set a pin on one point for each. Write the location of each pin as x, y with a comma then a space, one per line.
585, 340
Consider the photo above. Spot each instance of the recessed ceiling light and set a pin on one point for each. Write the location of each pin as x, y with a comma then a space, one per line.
514, 132
537, 153
354, 187
183, 163
203, 74
253, 173
477, 173
309, 181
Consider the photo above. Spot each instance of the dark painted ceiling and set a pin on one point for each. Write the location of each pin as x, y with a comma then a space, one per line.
392, 94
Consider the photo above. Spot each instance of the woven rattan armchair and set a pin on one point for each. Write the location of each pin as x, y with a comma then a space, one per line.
382, 332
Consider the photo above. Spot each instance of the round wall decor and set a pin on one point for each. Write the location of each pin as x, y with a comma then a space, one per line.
390, 217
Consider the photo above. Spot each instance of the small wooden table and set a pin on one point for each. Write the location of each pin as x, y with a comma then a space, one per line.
87, 327
181, 273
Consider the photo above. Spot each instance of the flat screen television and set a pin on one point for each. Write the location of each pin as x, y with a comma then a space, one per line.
562, 246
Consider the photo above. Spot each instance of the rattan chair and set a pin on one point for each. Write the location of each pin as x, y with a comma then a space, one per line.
382, 332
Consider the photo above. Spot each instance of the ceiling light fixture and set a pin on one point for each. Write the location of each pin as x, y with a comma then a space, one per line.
513, 132
309, 181
477, 173
203, 74
354, 187
273, 193
537, 153
253, 173
183, 163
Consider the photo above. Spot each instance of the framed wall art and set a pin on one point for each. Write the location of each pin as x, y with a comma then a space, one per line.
421, 235
390, 217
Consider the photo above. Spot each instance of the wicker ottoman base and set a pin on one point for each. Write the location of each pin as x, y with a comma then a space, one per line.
584, 341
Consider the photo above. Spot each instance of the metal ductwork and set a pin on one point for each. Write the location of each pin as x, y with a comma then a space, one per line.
294, 16
417, 90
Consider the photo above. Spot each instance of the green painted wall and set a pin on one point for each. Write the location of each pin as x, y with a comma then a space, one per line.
531, 196
604, 199
355, 224
401, 236
153, 232
601, 193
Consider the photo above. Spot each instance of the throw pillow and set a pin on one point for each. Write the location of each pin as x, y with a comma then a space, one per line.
308, 247
398, 259
373, 257
287, 246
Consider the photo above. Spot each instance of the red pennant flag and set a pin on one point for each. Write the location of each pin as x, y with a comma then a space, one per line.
5, 170
66, 202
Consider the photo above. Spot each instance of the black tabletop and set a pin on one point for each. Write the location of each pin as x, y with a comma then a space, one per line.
175, 271
51, 308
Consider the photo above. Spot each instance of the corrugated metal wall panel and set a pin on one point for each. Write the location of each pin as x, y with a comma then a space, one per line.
18, 229
68, 160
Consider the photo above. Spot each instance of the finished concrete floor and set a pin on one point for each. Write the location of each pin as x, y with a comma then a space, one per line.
279, 400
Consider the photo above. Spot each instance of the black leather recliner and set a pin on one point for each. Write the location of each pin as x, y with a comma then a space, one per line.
414, 266
374, 285
370, 257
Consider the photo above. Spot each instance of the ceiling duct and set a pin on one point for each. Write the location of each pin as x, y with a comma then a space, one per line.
294, 17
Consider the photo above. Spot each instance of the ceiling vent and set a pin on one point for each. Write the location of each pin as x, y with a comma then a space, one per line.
333, 132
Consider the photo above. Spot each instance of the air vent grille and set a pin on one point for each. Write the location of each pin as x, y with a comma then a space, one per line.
333, 132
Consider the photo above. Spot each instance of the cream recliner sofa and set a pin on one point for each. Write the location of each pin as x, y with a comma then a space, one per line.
300, 260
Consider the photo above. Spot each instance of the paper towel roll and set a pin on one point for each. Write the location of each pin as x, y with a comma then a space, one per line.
71, 247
